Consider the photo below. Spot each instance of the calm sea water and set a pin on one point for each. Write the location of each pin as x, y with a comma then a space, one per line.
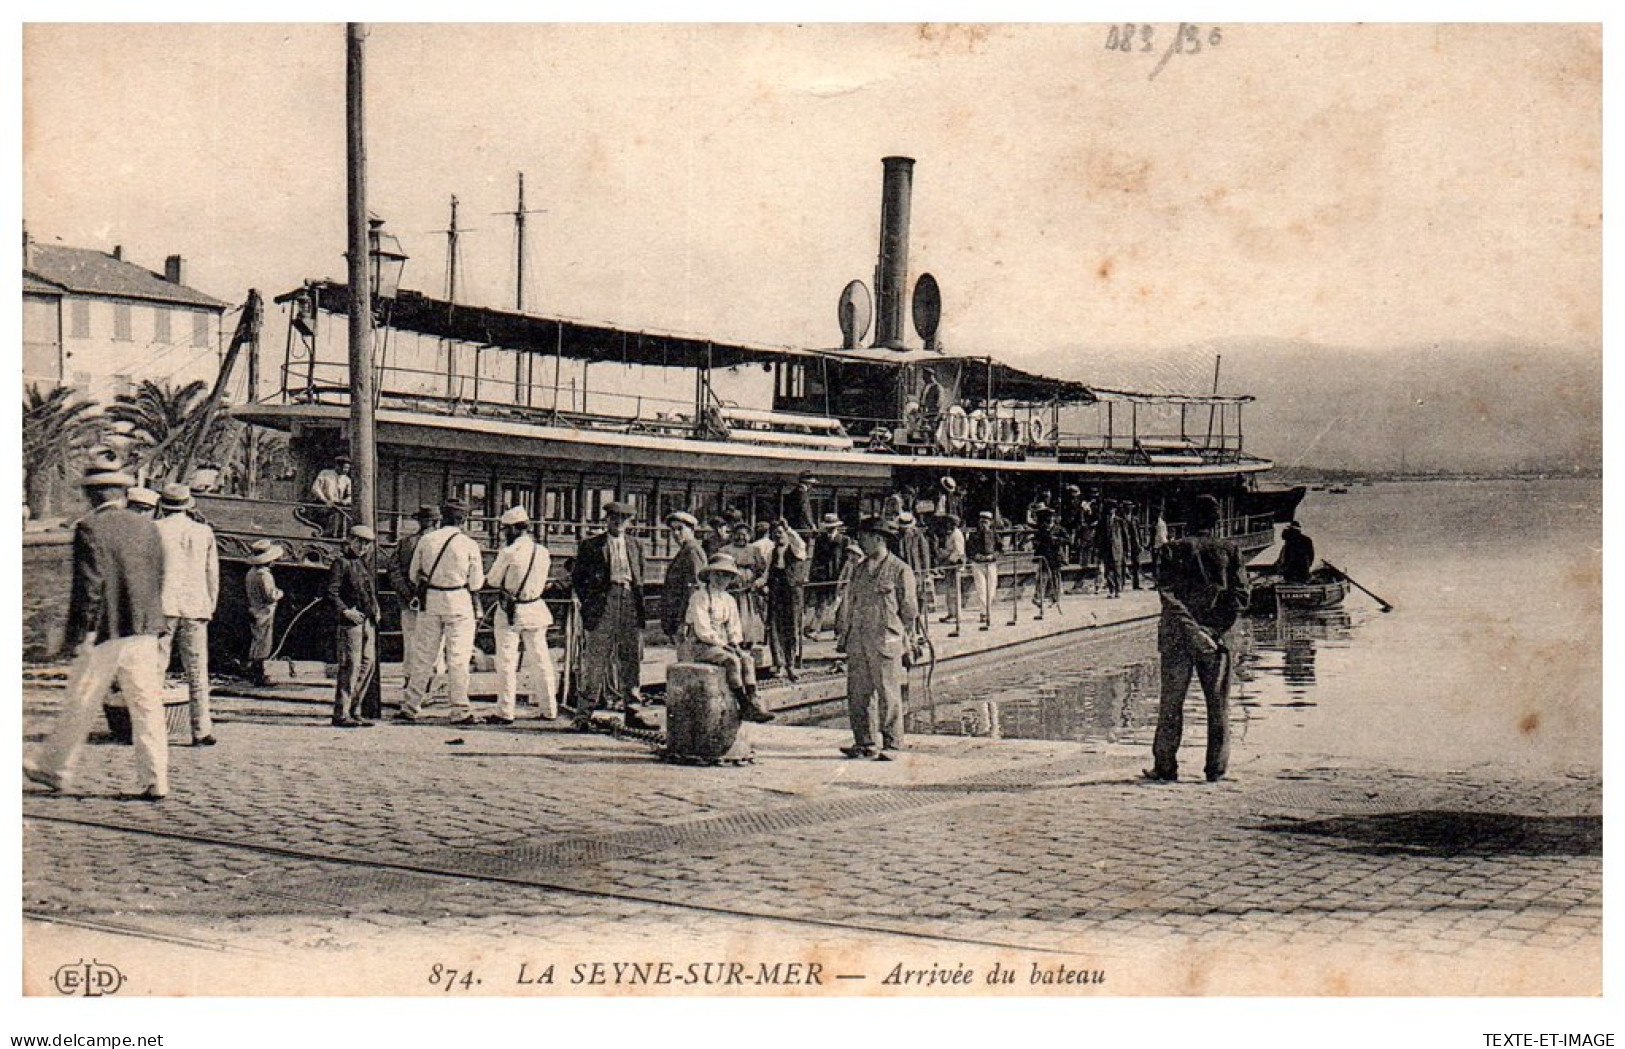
1492, 652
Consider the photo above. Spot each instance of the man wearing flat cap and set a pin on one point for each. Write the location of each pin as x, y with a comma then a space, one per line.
191, 591
875, 623
682, 574
447, 570
520, 576
607, 578
352, 592
411, 600
115, 616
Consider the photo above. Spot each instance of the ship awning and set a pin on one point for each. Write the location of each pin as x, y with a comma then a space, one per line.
1007, 383
527, 332
1138, 397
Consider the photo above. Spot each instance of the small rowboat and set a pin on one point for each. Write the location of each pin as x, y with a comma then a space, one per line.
1326, 589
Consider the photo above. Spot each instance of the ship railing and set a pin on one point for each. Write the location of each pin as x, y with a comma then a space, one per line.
548, 404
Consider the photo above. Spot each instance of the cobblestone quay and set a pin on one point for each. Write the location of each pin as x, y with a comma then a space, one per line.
293, 857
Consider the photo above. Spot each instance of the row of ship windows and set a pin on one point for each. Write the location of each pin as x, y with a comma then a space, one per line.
163, 326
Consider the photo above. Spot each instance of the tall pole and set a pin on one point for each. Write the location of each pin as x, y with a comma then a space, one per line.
363, 447
519, 248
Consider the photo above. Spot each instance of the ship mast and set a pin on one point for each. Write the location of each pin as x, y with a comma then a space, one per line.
519, 212
451, 253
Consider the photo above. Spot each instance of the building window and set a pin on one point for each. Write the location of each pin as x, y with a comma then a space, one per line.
121, 322
200, 329
79, 318
161, 333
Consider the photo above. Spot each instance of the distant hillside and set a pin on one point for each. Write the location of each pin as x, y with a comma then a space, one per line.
1439, 409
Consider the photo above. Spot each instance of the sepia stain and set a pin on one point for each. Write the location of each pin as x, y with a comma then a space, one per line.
948, 38
1112, 174
1529, 723
1104, 270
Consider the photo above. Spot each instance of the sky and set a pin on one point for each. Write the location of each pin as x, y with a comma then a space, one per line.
1358, 186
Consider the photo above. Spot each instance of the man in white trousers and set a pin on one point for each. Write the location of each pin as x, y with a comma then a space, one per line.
446, 566
115, 617
982, 550
520, 575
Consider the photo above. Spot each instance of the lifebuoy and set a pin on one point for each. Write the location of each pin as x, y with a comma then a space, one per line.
1035, 431
958, 427
1009, 431
979, 428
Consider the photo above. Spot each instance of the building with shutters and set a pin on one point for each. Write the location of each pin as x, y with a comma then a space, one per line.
98, 323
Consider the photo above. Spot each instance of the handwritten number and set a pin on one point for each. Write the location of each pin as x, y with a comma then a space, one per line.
1213, 37
1145, 37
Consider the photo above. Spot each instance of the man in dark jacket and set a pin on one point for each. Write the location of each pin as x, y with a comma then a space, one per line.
352, 592
1204, 589
682, 574
1297, 554
115, 618
607, 578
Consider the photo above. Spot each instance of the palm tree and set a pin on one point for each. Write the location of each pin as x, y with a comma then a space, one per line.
160, 419
57, 431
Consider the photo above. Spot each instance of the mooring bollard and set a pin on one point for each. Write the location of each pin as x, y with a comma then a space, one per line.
702, 719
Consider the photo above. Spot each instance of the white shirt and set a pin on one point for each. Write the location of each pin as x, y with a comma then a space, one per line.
713, 618
191, 567
508, 574
332, 488
457, 573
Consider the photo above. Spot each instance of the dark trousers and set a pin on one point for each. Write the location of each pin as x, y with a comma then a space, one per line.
785, 607
613, 654
1215, 672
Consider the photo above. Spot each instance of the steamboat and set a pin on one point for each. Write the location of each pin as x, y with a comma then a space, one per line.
506, 408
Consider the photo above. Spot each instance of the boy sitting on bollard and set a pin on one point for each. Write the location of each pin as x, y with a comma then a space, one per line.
711, 633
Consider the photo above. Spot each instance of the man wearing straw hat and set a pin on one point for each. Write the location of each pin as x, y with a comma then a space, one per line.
263, 596
876, 618
115, 617
447, 569
522, 617
352, 590
191, 591
712, 633
142, 501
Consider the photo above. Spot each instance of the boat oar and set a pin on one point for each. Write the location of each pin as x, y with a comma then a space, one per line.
1386, 607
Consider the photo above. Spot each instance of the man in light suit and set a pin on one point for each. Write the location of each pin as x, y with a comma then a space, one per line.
115, 618
520, 576
191, 590
607, 578
446, 565
875, 627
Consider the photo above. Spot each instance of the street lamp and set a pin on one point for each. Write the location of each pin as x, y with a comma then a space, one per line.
386, 259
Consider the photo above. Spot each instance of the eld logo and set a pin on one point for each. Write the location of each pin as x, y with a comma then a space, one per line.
90, 979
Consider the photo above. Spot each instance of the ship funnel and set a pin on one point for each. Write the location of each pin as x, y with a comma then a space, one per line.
891, 272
